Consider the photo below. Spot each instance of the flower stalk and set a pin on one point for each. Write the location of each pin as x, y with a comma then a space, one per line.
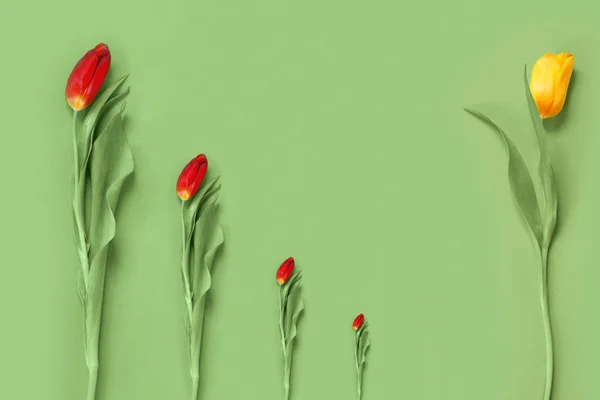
546, 94
291, 306
202, 238
361, 346
102, 162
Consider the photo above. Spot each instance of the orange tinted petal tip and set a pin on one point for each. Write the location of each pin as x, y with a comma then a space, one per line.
184, 195
191, 177
285, 271
358, 322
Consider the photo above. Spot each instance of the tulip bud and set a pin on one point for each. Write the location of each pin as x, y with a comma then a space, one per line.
87, 77
285, 271
191, 177
549, 82
358, 322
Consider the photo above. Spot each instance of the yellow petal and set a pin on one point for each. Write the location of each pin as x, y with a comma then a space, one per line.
542, 83
561, 84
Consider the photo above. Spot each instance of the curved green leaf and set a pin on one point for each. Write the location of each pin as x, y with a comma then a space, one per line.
363, 344
197, 202
294, 305
207, 240
360, 354
545, 171
92, 118
111, 163
291, 308
520, 181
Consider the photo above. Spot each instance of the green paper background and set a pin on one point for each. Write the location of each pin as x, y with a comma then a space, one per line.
338, 130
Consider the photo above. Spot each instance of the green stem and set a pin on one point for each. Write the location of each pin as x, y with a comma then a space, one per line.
92, 380
547, 325
92, 336
75, 148
286, 380
281, 316
286, 367
78, 199
185, 265
359, 385
358, 374
195, 383
196, 346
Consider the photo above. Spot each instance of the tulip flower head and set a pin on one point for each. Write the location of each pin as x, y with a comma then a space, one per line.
191, 177
285, 271
358, 322
87, 77
362, 343
549, 82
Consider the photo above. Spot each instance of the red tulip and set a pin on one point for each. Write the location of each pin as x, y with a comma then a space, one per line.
87, 77
285, 271
358, 322
191, 177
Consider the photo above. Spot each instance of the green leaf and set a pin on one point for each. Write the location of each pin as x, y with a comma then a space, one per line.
294, 308
363, 344
78, 243
207, 241
545, 171
81, 290
92, 117
111, 163
520, 181
195, 204
360, 354
293, 305
115, 105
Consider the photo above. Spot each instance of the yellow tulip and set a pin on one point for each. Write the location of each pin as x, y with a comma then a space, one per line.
549, 82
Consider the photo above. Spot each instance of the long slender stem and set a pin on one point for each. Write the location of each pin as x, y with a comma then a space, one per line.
358, 374
359, 385
75, 148
286, 381
281, 316
195, 385
92, 380
547, 325
185, 265
286, 367
78, 199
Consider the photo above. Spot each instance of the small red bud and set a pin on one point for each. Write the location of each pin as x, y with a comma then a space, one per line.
358, 322
285, 271
87, 77
191, 177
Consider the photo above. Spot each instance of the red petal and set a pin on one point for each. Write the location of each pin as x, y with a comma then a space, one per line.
285, 271
87, 77
358, 321
191, 177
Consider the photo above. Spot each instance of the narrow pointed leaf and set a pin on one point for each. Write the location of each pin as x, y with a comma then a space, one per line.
111, 164
364, 343
520, 181
295, 307
207, 240
88, 125
545, 171
81, 290
194, 205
